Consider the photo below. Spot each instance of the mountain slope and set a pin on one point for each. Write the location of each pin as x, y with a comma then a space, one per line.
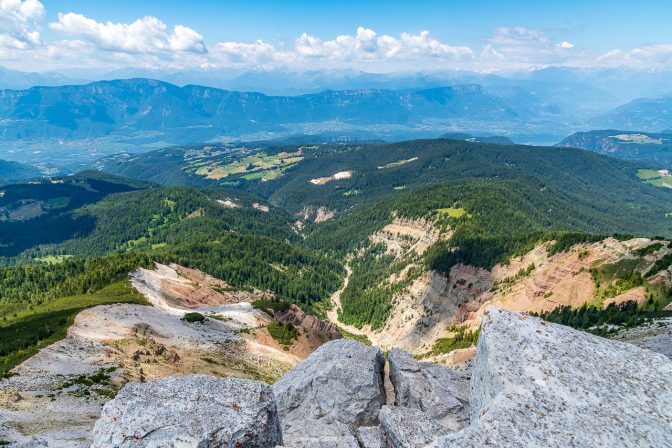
654, 149
346, 177
13, 171
43, 212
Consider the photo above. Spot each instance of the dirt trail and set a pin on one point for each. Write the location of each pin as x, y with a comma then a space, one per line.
332, 314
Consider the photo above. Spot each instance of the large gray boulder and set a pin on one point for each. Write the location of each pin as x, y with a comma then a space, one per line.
436, 390
407, 427
339, 386
370, 437
540, 384
192, 411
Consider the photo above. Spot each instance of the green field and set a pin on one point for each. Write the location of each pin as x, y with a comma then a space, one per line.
25, 331
453, 212
52, 259
257, 166
654, 177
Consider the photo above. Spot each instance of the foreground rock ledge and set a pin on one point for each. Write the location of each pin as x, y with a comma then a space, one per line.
438, 391
196, 410
327, 396
538, 384
533, 384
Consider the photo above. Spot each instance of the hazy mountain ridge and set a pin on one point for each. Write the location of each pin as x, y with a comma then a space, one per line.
140, 104
13, 171
653, 149
646, 114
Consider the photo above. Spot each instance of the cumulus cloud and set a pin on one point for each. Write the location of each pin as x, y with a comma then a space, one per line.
363, 49
646, 57
366, 44
149, 42
255, 53
18, 24
521, 47
147, 35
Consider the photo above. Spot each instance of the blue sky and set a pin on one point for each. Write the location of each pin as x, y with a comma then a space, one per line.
376, 35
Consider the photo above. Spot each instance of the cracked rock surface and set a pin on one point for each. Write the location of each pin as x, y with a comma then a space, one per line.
190, 411
438, 391
338, 388
541, 384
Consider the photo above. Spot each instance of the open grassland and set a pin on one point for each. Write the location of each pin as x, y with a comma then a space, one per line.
453, 212
639, 139
257, 166
52, 259
654, 177
25, 331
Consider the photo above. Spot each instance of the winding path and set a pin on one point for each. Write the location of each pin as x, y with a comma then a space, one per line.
332, 314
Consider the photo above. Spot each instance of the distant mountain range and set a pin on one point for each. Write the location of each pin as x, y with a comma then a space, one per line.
655, 149
76, 123
100, 108
646, 114
12, 79
13, 171
67, 127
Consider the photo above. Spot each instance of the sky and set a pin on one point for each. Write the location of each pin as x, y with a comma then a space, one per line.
372, 36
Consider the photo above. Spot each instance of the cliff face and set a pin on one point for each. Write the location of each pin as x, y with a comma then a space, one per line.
562, 388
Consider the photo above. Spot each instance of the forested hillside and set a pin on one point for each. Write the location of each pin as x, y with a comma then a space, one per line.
650, 149
296, 177
287, 218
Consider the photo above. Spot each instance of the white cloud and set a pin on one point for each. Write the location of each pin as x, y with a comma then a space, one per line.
149, 42
255, 53
147, 35
18, 24
367, 45
646, 57
521, 47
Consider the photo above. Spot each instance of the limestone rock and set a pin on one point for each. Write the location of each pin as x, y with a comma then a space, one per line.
340, 385
436, 390
370, 437
661, 343
540, 384
196, 410
320, 434
407, 427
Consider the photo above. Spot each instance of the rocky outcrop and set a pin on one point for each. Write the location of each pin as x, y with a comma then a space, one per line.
435, 390
370, 437
540, 384
330, 394
407, 427
532, 384
196, 410
295, 316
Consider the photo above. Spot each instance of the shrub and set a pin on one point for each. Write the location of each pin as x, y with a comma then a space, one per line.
284, 334
194, 318
270, 306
